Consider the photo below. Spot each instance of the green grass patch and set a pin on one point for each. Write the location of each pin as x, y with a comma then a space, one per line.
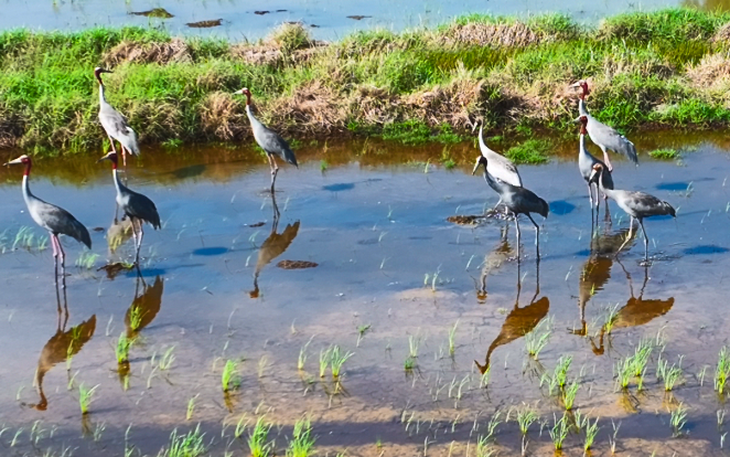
664, 154
531, 152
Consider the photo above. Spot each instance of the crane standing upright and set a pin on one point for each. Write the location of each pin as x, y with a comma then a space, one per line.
115, 125
271, 142
53, 218
499, 166
604, 136
137, 207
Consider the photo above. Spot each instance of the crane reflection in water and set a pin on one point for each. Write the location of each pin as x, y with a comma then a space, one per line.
61, 347
520, 321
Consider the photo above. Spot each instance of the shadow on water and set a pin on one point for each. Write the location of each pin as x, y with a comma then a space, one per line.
520, 321
273, 246
62, 346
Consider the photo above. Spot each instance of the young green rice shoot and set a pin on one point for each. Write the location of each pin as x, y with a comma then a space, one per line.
86, 396
591, 430
452, 338
722, 371
337, 359
670, 375
257, 443
86, 260
611, 318
624, 370
678, 419
191, 407
569, 395
414, 342
526, 416
122, 349
641, 357
538, 338
167, 359
302, 441
559, 431
303, 356
361, 330
230, 379
188, 445
325, 356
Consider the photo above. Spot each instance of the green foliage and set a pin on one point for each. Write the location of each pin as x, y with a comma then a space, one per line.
530, 152
664, 154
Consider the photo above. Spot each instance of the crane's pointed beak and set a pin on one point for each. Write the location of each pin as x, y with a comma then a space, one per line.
238, 92
476, 167
575, 84
13, 162
106, 157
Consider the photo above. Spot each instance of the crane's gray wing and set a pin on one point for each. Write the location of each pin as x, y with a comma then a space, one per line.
646, 205
59, 221
503, 169
273, 143
141, 207
606, 136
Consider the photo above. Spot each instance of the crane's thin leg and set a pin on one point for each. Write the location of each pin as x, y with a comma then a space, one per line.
55, 259
111, 141
62, 255
646, 241
134, 232
537, 235
497, 205
274, 171
606, 160
590, 195
517, 225
139, 247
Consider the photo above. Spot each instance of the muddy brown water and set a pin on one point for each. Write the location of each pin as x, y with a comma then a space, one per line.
328, 19
375, 224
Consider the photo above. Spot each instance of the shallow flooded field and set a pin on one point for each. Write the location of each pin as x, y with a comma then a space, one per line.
364, 259
327, 19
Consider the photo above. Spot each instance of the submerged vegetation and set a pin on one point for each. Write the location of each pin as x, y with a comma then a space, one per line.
664, 68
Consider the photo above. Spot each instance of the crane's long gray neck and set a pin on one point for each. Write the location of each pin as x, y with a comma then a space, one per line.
117, 182
608, 192
27, 195
102, 99
582, 107
254, 122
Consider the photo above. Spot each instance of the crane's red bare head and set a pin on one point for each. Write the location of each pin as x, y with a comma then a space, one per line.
583, 123
245, 92
97, 73
583, 84
111, 156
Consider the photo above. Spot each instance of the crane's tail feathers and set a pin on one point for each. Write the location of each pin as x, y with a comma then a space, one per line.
629, 150
669, 209
289, 157
80, 233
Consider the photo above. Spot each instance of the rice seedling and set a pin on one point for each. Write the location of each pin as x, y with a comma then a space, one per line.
720, 413
623, 371
492, 425
257, 440
122, 348
452, 339
526, 416
86, 260
591, 430
722, 371
641, 357
325, 356
323, 166
414, 342
135, 318
561, 370
191, 407
167, 359
611, 318
362, 329
569, 395
678, 419
98, 431
86, 396
337, 359
409, 364
538, 338
303, 356
263, 361
24, 238
230, 379
302, 440
559, 431
189, 445
484, 377
670, 375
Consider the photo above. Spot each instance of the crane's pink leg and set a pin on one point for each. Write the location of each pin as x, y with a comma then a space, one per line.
111, 141
124, 155
55, 258
517, 224
63, 263
606, 160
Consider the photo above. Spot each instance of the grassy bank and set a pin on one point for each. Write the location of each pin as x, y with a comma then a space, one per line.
648, 70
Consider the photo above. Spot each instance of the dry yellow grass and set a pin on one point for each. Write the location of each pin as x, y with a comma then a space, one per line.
176, 50
712, 71
312, 108
494, 35
222, 116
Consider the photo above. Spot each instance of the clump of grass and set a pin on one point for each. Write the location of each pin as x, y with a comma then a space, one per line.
190, 408
257, 440
325, 357
167, 359
190, 444
591, 430
86, 396
337, 359
290, 37
230, 379
678, 419
664, 154
452, 339
624, 370
302, 440
531, 152
124, 343
538, 338
86, 260
670, 375
722, 371
559, 431
569, 395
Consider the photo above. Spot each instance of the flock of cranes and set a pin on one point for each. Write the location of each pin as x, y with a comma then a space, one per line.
499, 172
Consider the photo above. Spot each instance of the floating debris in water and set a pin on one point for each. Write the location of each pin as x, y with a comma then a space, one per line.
466, 220
204, 24
296, 264
98, 229
358, 17
113, 269
257, 224
314, 26
161, 13
261, 13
